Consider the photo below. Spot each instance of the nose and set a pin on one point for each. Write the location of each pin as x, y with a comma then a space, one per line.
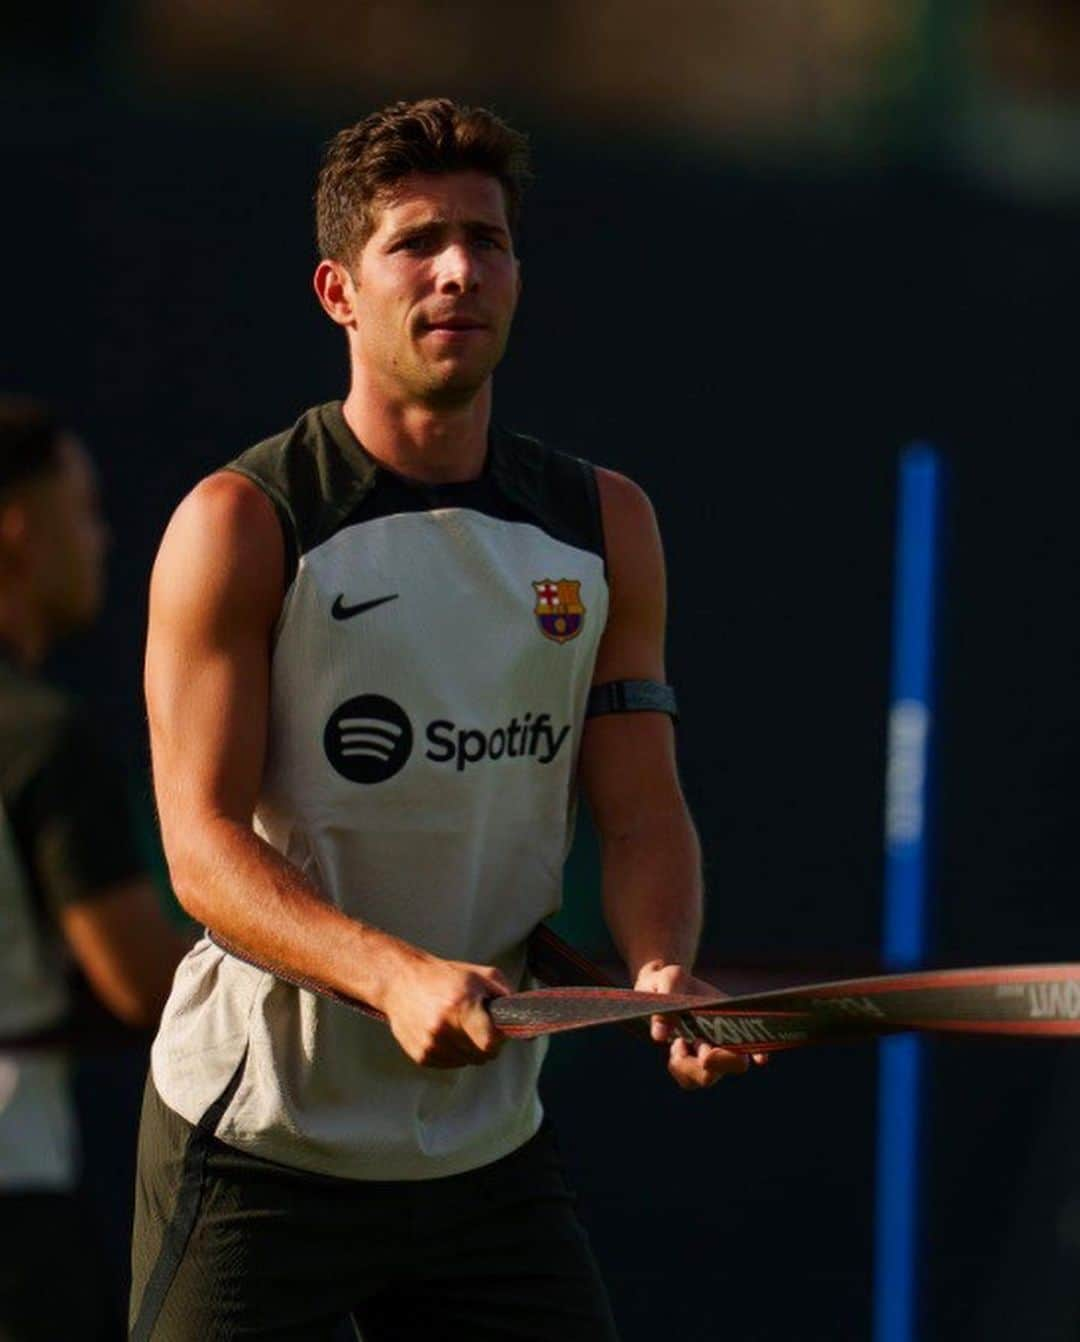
458, 273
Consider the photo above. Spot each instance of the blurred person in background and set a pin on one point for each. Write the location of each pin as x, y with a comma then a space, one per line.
379, 636
78, 913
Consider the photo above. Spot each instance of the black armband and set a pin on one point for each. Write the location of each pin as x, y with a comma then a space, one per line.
631, 696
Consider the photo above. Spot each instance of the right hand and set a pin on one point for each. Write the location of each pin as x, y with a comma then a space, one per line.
438, 1014
694, 1065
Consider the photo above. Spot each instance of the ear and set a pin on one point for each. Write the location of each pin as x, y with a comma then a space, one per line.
336, 292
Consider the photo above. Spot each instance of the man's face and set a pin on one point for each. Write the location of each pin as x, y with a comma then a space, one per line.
435, 288
66, 541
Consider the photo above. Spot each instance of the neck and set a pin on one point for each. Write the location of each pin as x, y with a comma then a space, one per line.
432, 444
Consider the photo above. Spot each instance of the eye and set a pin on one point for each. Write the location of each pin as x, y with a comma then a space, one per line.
413, 242
489, 242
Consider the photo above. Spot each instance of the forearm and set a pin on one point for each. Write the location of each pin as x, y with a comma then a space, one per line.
235, 883
652, 891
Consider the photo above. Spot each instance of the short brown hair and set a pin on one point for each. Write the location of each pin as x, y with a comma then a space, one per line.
362, 163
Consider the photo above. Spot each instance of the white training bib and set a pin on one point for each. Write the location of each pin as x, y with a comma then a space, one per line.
430, 669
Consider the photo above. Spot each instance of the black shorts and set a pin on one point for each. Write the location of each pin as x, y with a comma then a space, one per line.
230, 1246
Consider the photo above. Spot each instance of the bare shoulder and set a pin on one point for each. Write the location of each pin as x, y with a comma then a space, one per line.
222, 543
631, 533
633, 642
226, 506
624, 504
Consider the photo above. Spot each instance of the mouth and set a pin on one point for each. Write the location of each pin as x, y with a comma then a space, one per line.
456, 325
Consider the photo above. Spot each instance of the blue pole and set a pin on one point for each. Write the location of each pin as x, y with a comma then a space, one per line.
907, 866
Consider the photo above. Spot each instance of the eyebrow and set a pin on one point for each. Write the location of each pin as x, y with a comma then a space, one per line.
439, 222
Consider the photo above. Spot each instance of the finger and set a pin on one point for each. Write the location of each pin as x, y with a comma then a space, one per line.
482, 1032
698, 1066
760, 1059
495, 985
459, 1050
718, 1062
688, 1075
449, 1051
662, 1028
683, 1065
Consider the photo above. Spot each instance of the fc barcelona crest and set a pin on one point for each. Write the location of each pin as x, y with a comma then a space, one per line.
559, 611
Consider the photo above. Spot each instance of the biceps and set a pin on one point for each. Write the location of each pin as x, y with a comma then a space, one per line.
207, 705
214, 596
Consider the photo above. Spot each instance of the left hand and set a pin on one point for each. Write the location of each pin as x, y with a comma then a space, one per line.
694, 1064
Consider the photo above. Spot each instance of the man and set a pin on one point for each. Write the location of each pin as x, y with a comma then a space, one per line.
375, 636
73, 893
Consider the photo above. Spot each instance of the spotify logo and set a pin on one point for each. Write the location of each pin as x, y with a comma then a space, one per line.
368, 739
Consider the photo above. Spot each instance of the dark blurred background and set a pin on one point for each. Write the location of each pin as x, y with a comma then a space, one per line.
768, 244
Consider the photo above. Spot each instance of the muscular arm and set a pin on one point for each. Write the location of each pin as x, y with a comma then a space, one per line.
215, 595
652, 890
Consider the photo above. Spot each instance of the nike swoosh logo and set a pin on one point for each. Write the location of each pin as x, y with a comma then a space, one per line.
340, 611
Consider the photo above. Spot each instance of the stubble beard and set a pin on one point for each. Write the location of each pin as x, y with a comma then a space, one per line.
445, 385
451, 390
